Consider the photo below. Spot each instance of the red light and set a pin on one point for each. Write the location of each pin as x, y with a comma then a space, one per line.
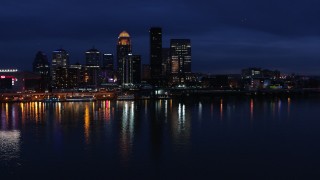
2, 77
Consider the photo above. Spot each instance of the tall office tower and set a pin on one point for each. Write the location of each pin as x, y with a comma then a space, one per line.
107, 70
69, 77
93, 57
180, 50
41, 67
156, 53
132, 69
92, 78
41, 64
107, 62
136, 69
146, 71
123, 49
60, 58
166, 70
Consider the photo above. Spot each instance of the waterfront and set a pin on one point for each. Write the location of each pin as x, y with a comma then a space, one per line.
224, 138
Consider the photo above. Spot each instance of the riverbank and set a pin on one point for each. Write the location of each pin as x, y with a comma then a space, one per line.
146, 94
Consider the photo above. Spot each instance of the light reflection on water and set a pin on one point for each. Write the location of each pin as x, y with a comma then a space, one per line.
9, 147
131, 130
127, 128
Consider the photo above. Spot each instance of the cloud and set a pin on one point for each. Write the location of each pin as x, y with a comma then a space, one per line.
224, 33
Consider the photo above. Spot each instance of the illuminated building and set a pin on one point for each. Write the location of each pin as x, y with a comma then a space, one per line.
60, 58
9, 80
123, 49
92, 78
180, 53
93, 57
107, 71
61, 78
132, 69
41, 64
258, 78
69, 77
107, 62
166, 68
156, 53
12, 80
41, 67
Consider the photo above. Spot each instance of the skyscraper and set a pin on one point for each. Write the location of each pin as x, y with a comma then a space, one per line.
123, 49
146, 71
156, 53
41, 64
41, 67
60, 58
166, 70
93, 57
180, 50
132, 69
107, 62
136, 68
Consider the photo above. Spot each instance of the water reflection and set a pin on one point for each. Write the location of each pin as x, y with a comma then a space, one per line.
289, 106
132, 127
87, 123
251, 109
127, 119
9, 147
221, 109
181, 125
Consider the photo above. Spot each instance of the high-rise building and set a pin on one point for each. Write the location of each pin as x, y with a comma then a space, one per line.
180, 50
123, 49
166, 70
41, 64
136, 69
93, 57
60, 58
132, 69
107, 62
156, 53
41, 67
146, 71
76, 72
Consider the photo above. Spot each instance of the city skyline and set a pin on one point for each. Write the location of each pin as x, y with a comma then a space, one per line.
226, 35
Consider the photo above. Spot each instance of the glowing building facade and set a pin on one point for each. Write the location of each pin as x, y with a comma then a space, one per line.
93, 57
123, 49
60, 58
180, 53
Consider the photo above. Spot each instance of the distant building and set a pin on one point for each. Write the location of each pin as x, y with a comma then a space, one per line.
132, 69
156, 53
180, 52
60, 58
12, 80
107, 71
92, 77
61, 80
251, 73
41, 66
146, 72
107, 62
166, 68
258, 78
93, 57
123, 49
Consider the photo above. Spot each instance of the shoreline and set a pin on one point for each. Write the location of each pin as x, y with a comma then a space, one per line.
150, 95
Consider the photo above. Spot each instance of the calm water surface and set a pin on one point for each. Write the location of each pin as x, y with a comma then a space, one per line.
212, 138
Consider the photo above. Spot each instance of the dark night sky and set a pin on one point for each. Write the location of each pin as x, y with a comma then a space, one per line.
226, 35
